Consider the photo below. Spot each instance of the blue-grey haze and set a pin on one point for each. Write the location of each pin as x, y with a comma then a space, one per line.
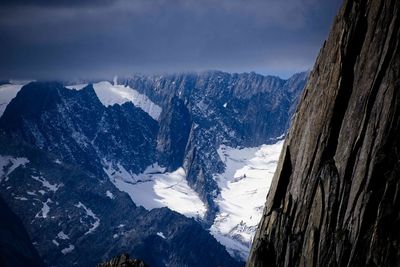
97, 39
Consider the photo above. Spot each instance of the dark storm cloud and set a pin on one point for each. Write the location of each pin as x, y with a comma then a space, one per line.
53, 3
88, 39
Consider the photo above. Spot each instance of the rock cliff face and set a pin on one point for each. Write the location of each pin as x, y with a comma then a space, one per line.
335, 199
123, 261
16, 249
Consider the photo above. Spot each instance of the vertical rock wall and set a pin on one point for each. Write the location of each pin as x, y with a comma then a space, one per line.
335, 198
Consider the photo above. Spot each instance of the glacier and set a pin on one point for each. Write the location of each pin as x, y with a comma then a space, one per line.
156, 188
243, 187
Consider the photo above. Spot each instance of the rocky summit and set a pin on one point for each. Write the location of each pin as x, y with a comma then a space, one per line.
334, 200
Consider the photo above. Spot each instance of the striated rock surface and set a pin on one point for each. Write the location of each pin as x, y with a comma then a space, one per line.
335, 197
175, 125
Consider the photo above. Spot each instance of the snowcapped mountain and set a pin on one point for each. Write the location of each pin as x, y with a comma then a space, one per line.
98, 163
111, 94
64, 197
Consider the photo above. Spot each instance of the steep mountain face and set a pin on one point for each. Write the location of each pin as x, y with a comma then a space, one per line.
231, 110
334, 199
176, 123
98, 164
76, 127
53, 154
16, 247
238, 110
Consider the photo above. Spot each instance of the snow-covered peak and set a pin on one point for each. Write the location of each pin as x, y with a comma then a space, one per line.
110, 94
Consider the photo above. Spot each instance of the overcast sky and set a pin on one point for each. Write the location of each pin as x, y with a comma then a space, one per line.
78, 39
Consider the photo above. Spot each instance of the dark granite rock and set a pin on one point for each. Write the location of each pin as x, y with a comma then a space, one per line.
16, 249
123, 261
175, 125
334, 200
76, 127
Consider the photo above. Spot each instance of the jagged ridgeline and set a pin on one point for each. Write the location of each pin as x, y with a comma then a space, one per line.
138, 166
335, 200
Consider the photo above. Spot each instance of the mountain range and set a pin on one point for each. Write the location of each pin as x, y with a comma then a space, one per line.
172, 169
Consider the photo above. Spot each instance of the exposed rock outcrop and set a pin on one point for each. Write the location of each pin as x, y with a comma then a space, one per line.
16, 249
334, 200
123, 261
175, 124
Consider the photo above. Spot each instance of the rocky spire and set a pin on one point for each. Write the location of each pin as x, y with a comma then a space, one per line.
335, 197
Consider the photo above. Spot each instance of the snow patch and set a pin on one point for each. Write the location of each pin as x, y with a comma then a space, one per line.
244, 186
110, 94
62, 235
160, 234
47, 184
155, 188
109, 194
45, 209
77, 86
68, 249
7, 93
90, 213
8, 164
21, 198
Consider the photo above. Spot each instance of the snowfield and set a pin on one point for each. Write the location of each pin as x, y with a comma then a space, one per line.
7, 93
46, 184
110, 94
8, 164
244, 186
155, 188
68, 249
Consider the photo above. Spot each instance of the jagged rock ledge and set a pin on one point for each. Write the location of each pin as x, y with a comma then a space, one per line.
123, 261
